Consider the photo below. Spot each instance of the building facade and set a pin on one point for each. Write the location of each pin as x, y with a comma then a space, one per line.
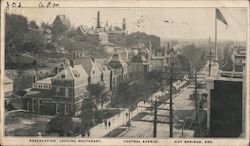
63, 93
119, 70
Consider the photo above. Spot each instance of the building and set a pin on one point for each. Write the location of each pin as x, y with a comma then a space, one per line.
226, 100
60, 25
63, 93
138, 65
84, 30
91, 67
8, 86
119, 70
105, 76
238, 58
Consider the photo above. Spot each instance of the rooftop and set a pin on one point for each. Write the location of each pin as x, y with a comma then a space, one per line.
72, 73
64, 19
45, 80
7, 80
88, 63
39, 93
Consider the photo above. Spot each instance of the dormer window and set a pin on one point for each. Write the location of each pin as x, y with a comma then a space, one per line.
62, 76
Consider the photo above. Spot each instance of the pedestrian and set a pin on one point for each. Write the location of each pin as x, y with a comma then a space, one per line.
126, 115
105, 122
88, 133
109, 124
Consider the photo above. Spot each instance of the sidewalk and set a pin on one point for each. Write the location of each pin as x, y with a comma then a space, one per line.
116, 121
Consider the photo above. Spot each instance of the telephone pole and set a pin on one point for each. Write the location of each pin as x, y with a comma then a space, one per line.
155, 120
210, 55
196, 97
171, 102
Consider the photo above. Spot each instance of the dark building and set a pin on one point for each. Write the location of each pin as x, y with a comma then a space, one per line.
60, 25
119, 70
226, 109
138, 66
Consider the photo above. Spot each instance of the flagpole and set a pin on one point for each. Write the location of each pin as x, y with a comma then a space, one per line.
215, 42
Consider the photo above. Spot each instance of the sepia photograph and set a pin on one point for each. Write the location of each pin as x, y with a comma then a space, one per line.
136, 74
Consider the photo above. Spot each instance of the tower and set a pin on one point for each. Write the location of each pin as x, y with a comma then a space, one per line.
123, 24
98, 20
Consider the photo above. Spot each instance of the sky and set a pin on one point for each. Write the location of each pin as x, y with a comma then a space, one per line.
169, 23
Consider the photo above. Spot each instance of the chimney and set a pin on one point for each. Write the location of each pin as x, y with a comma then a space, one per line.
56, 70
98, 20
35, 76
72, 63
123, 24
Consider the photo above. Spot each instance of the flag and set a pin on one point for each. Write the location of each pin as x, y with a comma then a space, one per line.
220, 16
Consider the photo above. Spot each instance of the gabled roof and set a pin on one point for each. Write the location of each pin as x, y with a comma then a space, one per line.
84, 29
88, 63
7, 80
63, 19
72, 73
116, 61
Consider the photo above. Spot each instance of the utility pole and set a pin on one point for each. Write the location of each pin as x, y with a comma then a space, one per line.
171, 102
155, 120
196, 97
210, 55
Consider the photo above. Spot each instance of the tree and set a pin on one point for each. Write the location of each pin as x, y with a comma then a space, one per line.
34, 42
87, 115
185, 63
16, 26
194, 55
33, 25
97, 90
19, 38
123, 92
61, 124
44, 25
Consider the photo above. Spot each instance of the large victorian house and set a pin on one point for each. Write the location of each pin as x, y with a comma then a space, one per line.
62, 93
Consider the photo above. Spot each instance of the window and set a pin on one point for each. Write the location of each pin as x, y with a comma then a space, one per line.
66, 92
62, 76
34, 106
67, 108
93, 72
57, 90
